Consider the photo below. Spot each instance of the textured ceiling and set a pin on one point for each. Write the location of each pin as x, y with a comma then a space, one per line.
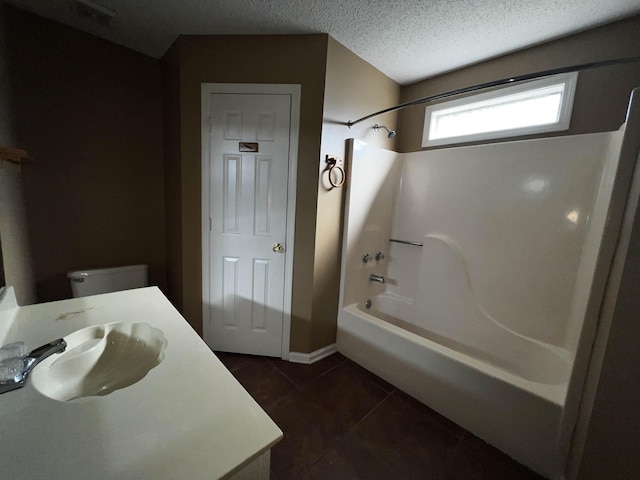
408, 40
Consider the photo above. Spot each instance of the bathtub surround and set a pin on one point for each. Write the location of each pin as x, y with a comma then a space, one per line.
489, 314
504, 224
372, 187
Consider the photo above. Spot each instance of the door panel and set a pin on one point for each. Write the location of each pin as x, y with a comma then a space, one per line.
248, 207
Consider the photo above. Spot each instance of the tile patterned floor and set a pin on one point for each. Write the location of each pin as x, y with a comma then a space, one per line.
342, 422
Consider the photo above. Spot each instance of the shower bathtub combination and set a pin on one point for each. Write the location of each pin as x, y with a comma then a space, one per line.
495, 259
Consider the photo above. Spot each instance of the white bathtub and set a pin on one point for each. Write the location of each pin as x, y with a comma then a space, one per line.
512, 398
493, 272
541, 368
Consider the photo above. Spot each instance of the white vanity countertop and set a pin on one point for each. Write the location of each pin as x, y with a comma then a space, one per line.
188, 418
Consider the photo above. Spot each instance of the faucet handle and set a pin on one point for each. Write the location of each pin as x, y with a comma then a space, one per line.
366, 257
379, 256
11, 370
13, 350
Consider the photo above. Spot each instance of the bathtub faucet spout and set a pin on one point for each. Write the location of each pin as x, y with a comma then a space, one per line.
376, 278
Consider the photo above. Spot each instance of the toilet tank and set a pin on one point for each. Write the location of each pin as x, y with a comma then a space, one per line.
104, 280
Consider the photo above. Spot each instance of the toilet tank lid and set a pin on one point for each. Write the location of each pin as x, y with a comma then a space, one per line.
105, 271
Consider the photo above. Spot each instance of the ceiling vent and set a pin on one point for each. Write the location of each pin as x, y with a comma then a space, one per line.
94, 11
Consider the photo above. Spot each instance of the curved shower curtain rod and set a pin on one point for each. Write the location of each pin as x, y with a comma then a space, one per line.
496, 83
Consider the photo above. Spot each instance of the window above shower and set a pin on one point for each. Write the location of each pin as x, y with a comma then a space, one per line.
539, 106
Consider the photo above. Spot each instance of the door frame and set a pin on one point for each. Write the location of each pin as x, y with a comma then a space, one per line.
294, 90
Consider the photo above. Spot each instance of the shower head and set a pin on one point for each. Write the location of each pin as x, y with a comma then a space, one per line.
392, 133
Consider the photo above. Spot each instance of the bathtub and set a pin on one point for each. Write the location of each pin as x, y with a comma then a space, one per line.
512, 398
538, 367
494, 276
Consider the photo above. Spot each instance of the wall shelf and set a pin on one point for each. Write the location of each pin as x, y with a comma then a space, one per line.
15, 156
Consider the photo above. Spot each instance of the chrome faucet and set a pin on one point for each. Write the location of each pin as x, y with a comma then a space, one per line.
14, 371
376, 278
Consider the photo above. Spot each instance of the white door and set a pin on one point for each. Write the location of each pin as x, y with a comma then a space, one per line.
249, 169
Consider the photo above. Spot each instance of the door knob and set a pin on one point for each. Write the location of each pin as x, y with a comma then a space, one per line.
278, 248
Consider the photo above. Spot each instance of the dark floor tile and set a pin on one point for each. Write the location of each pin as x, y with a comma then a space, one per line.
342, 422
476, 443
263, 381
301, 374
350, 460
452, 427
307, 434
234, 361
406, 441
338, 356
273, 476
314, 417
469, 463
383, 384
347, 393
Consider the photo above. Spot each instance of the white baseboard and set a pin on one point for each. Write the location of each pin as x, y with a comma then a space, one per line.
308, 358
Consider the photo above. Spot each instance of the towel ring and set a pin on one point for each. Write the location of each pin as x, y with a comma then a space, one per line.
342, 176
332, 163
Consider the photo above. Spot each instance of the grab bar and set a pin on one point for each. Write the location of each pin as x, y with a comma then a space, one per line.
415, 244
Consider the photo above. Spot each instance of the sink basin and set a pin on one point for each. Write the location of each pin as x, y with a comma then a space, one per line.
100, 360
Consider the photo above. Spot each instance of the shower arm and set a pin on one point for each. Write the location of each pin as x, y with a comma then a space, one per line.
497, 83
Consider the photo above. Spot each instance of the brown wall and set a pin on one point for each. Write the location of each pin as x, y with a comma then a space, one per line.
611, 443
172, 173
7, 129
17, 263
601, 97
89, 112
353, 89
294, 59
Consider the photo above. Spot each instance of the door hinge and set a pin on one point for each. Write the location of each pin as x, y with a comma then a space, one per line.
210, 224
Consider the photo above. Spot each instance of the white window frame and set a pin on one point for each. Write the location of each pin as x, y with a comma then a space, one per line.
564, 118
